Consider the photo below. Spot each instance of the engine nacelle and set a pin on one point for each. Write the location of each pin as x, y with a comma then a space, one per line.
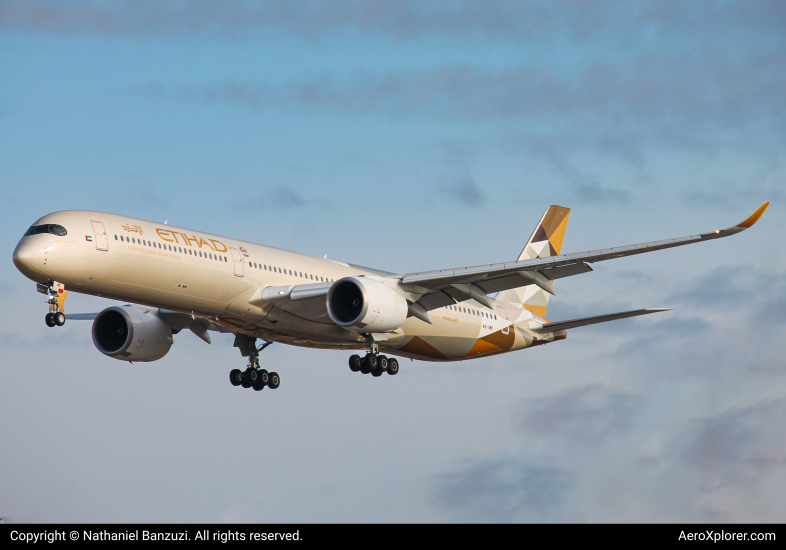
131, 334
365, 305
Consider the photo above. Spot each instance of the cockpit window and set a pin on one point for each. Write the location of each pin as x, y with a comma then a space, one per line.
58, 230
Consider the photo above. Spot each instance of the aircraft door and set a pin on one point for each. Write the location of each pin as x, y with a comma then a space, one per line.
503, 317
237, 259
99, 234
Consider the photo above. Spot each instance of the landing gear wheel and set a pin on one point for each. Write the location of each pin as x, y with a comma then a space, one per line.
264, 377
372, 361
252, 375
258, 386
274, 381
244, 380
383, 364
376, 372
50, 319
236, 377
364, 366
59, 318
355, 363
392, 366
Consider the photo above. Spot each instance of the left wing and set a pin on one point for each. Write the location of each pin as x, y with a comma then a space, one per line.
446, 287
175, 319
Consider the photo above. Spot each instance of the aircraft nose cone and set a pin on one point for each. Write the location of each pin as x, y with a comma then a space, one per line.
25, 255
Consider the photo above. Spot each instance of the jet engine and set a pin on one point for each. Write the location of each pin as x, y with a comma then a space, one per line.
366, 305
132, 334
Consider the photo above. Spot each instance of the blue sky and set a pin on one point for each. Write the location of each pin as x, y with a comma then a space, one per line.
408, 136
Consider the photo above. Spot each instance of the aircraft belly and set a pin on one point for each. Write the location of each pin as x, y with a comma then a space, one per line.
453, 339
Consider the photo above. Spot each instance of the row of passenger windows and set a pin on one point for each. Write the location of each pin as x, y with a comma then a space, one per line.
471, 311
255, 265
58, 230
180, 249
211, 256
308, 276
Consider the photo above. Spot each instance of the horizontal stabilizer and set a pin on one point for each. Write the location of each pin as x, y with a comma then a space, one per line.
564, 325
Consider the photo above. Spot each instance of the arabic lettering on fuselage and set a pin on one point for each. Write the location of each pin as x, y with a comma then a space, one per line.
133, 228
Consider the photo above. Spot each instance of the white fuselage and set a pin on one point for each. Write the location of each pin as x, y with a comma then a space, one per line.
214, 277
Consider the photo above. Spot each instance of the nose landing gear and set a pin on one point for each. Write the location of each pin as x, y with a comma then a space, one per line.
56, 295
254, 376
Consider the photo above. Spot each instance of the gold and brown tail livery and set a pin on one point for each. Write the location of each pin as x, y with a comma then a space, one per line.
753, 218
546, 240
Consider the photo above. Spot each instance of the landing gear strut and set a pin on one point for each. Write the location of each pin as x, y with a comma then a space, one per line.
56, 294
254, 376
373, 363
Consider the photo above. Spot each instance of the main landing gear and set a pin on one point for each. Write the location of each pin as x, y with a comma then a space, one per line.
373, 363
254, 376
55, 293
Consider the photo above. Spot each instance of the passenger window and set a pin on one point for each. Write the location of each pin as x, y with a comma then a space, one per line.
115, 237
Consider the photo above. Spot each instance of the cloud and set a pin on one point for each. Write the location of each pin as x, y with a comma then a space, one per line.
747, 291
278, 198
501, 490
660, 87
737, 445
588, 414
463, 190
283, 197
601, 22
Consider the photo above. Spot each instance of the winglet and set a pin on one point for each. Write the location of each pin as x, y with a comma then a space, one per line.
753, 218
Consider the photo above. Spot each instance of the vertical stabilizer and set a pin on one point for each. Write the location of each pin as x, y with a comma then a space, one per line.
545, 241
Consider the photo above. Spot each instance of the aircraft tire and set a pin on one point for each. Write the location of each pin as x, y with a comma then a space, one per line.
392, 366
253, 376
264, 377
236, 377
59, 318
372, 361
50, 319
355, 363
275, 381
258, 386
383, 364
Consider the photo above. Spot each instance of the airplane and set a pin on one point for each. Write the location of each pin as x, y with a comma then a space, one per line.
180, 279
